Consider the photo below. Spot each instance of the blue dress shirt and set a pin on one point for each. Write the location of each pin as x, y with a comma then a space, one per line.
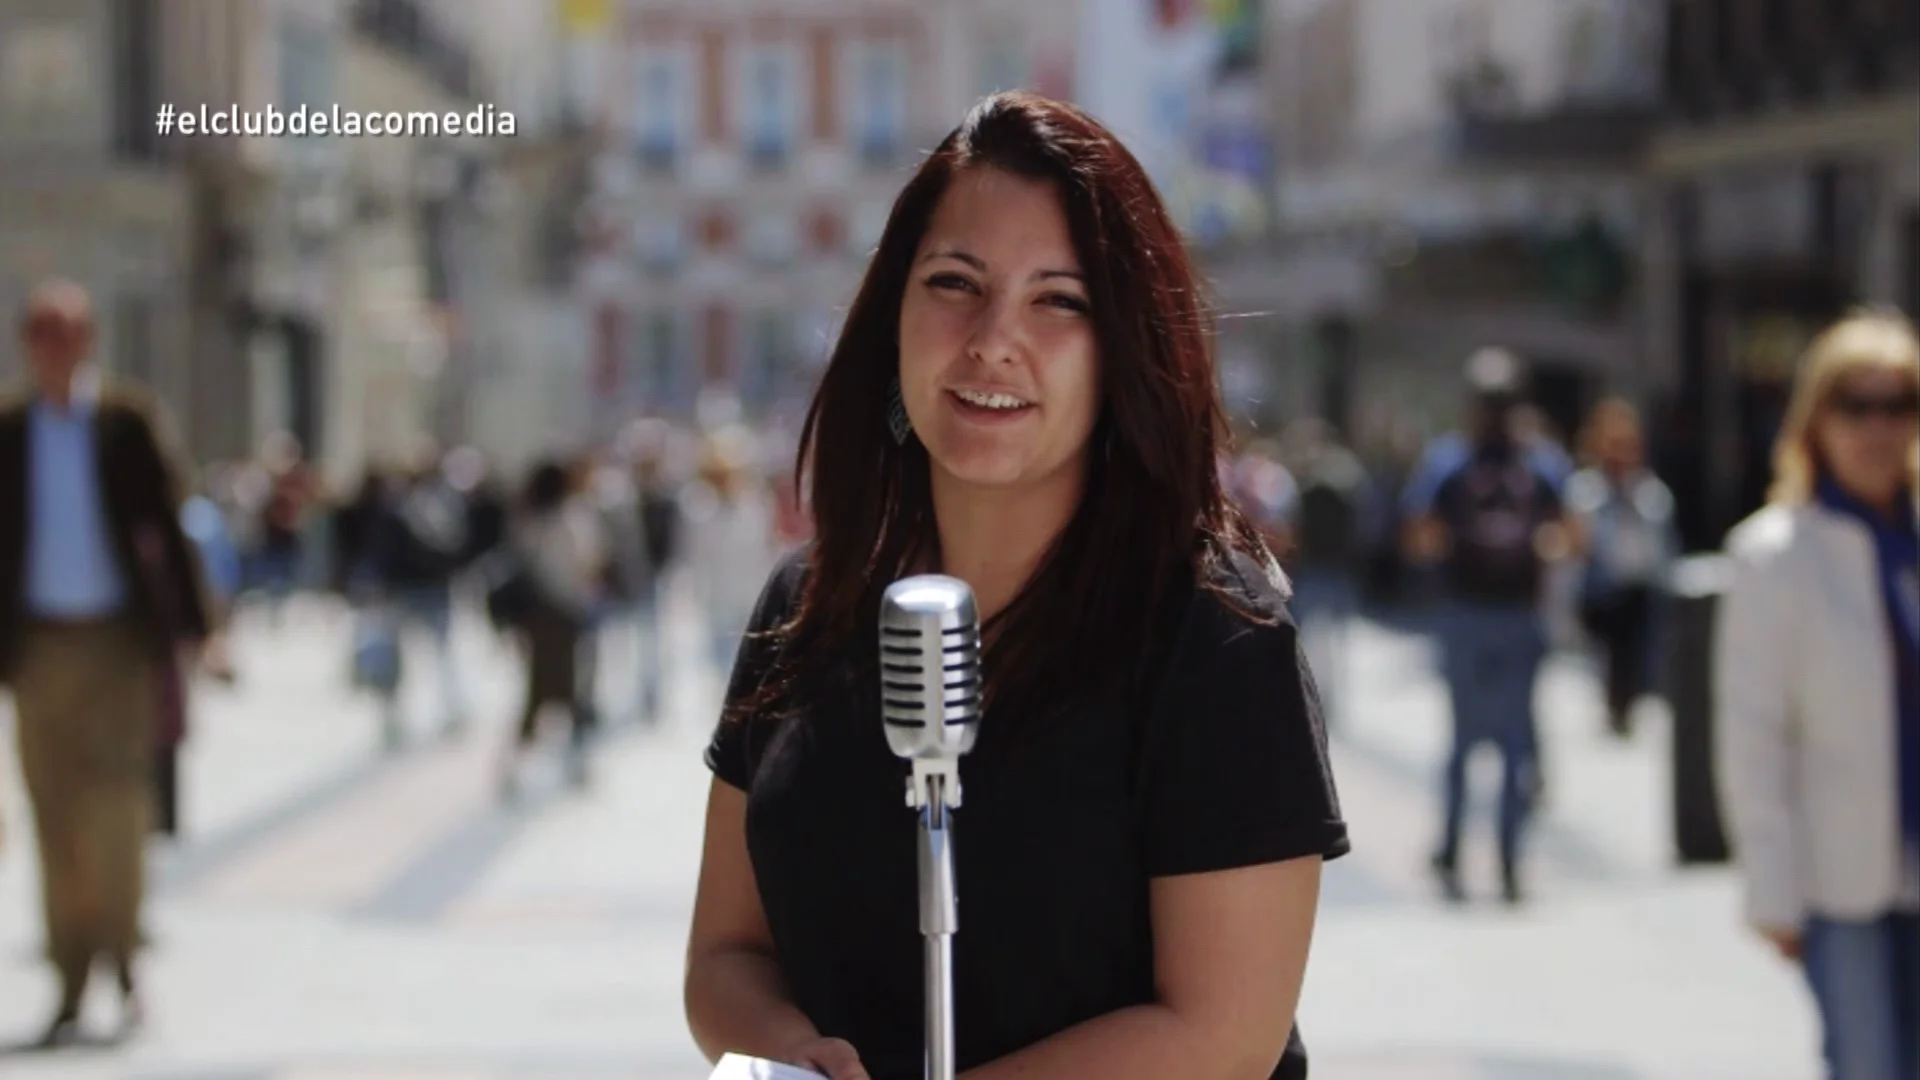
71, 569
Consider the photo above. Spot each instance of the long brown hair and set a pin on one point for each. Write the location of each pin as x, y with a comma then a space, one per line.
1152, 517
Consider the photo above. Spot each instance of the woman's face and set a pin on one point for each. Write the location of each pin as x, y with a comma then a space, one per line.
998, 367
1867, 430
1621, 447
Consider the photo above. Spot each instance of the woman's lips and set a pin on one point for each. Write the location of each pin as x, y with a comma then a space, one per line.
986, 414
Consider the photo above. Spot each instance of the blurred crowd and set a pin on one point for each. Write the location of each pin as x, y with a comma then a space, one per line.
575, 543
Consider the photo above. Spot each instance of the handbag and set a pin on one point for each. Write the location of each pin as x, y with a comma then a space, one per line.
510, 590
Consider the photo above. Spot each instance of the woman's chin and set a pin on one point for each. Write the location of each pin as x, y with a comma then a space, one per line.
983, 470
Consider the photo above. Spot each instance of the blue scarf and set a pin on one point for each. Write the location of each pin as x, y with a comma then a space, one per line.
1897, 543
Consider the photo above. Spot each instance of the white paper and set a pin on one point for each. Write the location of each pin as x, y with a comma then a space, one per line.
741, 1067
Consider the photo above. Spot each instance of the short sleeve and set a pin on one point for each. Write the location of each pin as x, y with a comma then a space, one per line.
1238, 772
730, 752
1440, 460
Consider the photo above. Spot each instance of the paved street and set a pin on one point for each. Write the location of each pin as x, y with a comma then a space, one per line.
336, 913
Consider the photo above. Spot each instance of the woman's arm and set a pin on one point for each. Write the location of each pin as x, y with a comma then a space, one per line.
1753, 672
1230, 953
735, 997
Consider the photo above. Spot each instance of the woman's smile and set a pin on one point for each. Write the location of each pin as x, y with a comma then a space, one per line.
995, 408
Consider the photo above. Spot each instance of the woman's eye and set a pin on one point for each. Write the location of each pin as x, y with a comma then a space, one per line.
1066, 303
952, 282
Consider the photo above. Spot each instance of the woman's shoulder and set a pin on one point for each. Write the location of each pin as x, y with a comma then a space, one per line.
1240, 605
1768, 534
780, 595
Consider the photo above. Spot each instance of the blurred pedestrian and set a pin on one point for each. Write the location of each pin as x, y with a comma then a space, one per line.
730, 539
650, 443
204, 524
1492, 524
1624, 515
557, 538
1817, 695
429, 545
1029, 406
608, 485
1328, 553
99, 587
369, 542
471, 477
291, 488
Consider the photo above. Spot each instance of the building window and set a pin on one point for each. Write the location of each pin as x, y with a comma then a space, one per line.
136, 79
772, 108
1611, 53
717, 356
304, 75
826, 115
772, 238
713, 87
306, 78
769, 357
657, 362
879, 98
661, 111
661, 243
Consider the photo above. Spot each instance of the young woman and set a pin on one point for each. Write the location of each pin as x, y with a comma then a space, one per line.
1818, 695
1625, 519
1023, 398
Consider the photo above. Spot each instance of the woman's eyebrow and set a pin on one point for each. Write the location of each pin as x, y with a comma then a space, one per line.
980, 264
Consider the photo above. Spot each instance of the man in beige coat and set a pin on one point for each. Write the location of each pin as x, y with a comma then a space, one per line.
99, 588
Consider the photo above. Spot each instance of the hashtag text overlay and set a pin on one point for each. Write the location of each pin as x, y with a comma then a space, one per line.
482, 120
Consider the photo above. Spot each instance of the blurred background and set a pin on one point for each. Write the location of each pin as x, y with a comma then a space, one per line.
1653, 200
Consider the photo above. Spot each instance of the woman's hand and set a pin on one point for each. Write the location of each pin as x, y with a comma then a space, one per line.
1784, 939
836, 1058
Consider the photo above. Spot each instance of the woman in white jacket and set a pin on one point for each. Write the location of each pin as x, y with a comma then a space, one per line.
1818, 697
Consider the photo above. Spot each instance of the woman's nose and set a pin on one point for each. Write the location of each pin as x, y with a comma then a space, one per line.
996, 333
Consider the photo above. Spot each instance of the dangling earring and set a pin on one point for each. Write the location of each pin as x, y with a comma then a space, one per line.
897, 421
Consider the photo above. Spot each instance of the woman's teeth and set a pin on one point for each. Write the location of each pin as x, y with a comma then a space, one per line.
990, 401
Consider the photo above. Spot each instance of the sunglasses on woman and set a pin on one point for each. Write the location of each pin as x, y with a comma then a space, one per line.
1866, 406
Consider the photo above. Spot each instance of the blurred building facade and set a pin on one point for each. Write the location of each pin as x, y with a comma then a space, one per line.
1455, 173
524, 340
402, 271
750, 151
86, 189
1181, 83
314, 285
1784, 188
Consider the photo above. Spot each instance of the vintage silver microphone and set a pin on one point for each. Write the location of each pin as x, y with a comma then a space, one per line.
930, 703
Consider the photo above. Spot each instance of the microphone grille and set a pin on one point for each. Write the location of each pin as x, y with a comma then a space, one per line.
930, 690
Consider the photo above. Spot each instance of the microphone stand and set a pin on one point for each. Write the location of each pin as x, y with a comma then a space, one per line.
934, 791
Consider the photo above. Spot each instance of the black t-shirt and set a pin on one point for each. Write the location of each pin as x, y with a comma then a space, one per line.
1058, 835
